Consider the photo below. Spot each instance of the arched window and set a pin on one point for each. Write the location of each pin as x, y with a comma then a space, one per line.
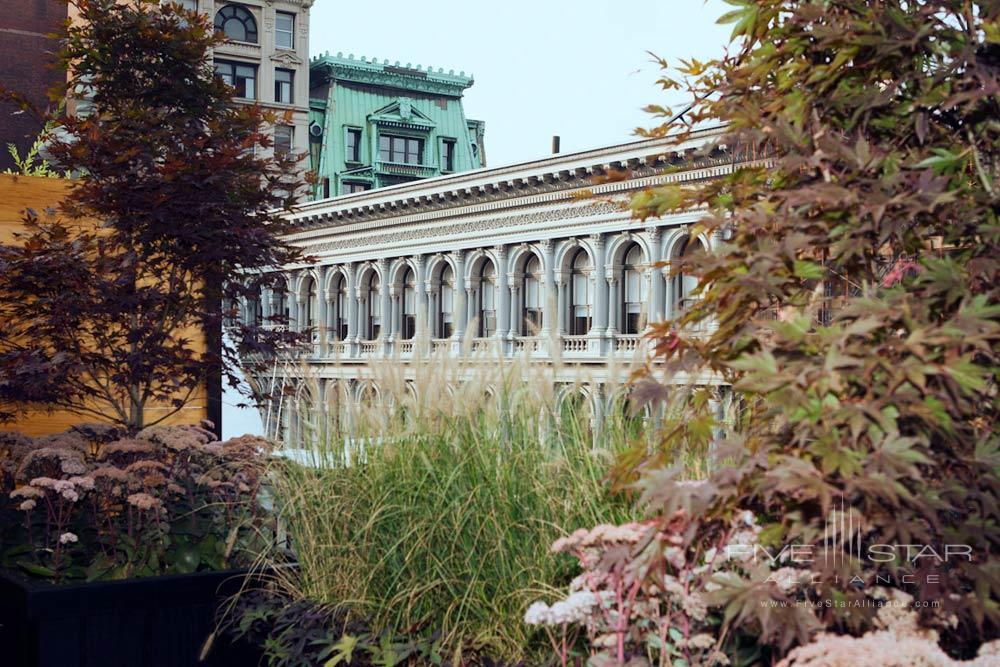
408, 325
532, 311
682, 284
633, 290
237, 23
446, 303
580, 294
373, 308
338, 308
486, 299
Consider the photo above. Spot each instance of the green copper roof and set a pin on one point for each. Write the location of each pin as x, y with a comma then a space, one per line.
377, 102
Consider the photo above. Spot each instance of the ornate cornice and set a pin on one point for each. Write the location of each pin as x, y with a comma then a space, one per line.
374, 73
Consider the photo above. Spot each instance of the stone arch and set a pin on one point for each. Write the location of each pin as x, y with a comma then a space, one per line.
520, 255
676, 237
473, 263
564, 253
333, 272
398, 269
618, 245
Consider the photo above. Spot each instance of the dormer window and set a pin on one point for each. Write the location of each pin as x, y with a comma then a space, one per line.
237, 23
401, 150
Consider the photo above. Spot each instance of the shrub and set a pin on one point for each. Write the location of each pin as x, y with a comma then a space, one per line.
430, 513
92, 503
854, 290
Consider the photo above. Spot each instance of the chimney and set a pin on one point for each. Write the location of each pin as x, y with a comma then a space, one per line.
555, 144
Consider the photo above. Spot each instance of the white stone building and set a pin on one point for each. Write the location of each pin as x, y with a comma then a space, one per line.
266, 59
510, 260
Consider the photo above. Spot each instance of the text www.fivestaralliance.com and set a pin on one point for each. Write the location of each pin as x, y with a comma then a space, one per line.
848, 604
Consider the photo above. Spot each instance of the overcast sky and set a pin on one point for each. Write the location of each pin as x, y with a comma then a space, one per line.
578, 69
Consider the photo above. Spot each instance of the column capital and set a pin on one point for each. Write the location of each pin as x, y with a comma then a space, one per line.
655, 233
548, 245
597, 240
500, 250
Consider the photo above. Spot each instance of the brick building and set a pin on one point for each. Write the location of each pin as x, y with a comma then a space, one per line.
27, 52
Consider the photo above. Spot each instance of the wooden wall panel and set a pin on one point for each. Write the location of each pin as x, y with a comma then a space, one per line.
18, 193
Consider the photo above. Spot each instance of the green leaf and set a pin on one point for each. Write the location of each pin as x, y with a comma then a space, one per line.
37, 570
807, 270
344, 651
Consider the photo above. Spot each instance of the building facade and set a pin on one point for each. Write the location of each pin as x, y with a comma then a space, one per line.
374, 124
266, 59
540, 260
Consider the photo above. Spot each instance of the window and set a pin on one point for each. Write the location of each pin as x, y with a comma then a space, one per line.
405, 150
352, 144
284, 30
532, 312
189, 5
446, 303
633, 290
338, 314
237, 23
241, 77
350, 187
283, 135
486, 306
683, 283
283, 85
374, 304
447, 155
408, 324
580, 294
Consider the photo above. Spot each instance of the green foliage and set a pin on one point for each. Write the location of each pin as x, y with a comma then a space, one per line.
434, 514
855, 296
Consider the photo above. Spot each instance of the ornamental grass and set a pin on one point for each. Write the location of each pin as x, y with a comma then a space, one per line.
431, 512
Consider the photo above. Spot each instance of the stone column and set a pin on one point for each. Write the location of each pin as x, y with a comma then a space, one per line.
294, 307
323, 306
656, 292
549, 306
561, 306
600, 323
470, 305
393, 307
352, 302
461, 313
423, 321
266, 306
612, 302
668, 292
383, 268
502, 299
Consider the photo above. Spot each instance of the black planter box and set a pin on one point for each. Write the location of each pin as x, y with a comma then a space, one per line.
155, 622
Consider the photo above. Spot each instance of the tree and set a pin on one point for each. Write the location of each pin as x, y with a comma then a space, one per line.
852, 308
190, 212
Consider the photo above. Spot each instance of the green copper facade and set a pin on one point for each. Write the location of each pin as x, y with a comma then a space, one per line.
372, 124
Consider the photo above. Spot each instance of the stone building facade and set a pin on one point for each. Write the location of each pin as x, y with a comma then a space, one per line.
540, 260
